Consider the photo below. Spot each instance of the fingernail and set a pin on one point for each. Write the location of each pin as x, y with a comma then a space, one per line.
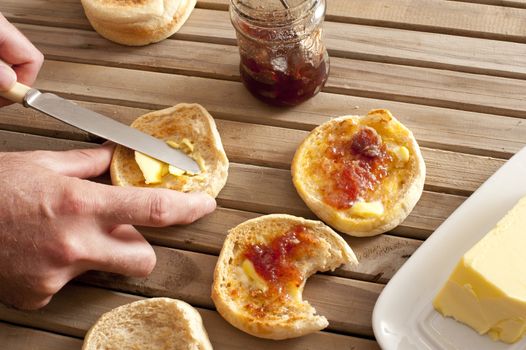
7, 77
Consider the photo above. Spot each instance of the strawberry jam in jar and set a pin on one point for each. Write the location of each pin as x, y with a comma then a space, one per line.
283, 58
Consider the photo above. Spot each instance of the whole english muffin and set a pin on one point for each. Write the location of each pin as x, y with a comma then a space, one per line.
262, 270
150, 324
137, 22
360, 174
191, 127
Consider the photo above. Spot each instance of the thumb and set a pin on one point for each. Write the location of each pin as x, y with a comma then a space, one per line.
7, 77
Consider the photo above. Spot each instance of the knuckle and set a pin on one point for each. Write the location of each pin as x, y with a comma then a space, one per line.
39, 303
19, 159
33, 303
71, 201
159, 210
145, 269
192, 214
67, 252
86, 155
44, 288
149, 264
28, 303
63, 249
39, 58
42, 158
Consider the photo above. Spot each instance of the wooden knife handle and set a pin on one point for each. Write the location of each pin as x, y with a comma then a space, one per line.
16, 93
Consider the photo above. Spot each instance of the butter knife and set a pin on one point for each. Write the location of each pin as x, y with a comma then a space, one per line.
97, 124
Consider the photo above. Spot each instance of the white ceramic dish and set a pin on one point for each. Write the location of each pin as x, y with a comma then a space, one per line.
403, 317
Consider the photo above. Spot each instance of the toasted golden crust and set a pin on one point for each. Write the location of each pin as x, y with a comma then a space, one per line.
398, 192
190, 121
269, 314
137, 22
151, 324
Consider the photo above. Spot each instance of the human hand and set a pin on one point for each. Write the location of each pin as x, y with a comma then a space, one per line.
54, 225
16, 50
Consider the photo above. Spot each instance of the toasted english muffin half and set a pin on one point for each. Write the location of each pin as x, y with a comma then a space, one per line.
361, 175
263, 267
137, 22
150, 324
191, 127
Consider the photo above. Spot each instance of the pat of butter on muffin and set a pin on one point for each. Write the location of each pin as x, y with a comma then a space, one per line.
367, 209
153, 170
250, 271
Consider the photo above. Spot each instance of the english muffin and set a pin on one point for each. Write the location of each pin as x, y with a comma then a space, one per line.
361, 175
188, 127
137, 22
262, 270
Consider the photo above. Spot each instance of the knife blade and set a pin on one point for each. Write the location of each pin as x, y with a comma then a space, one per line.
97, 124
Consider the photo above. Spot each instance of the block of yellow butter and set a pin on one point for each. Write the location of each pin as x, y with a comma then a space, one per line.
487, 289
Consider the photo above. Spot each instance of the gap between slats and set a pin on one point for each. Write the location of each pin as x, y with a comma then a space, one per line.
506, 3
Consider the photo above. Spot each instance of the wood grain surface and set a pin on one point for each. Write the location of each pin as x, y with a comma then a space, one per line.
454, 72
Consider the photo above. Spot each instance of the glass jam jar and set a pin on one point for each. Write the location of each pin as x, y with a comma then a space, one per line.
283, 58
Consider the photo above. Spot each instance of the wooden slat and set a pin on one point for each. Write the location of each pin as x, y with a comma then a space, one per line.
468, 18
74, 309
502, 23
426, 86
223, 4
19, 338
230, 100
68, 13
510, 3
432, 50
343, 40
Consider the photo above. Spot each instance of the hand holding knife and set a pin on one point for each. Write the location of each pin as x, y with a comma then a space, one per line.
97, 124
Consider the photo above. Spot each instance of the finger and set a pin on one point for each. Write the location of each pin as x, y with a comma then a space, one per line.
124, 251
7, 80
25, 302
26, 293
148, 206
17, 50
7, 77
83, 163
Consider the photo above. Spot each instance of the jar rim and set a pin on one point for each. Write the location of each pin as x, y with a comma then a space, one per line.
274, 17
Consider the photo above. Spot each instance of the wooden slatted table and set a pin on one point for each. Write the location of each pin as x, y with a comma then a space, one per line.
452, 71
